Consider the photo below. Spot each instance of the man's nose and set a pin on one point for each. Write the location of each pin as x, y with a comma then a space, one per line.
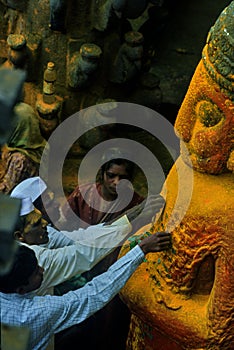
116, 180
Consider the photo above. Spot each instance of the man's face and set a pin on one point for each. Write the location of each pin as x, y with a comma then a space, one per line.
111, 179
35, 231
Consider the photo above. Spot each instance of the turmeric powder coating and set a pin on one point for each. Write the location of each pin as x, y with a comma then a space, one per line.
184, 298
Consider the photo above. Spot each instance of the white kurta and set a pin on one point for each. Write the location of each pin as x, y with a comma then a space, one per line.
87, 247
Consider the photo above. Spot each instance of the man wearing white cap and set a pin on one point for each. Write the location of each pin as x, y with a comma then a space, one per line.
91, 245
63, 263
72, 256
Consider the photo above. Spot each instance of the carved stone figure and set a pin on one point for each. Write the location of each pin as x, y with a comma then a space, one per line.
108, 9
147, 92
83, 64
18, 51
184, 298
57, 15
128, 62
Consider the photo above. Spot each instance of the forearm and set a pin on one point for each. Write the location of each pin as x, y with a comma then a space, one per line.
57, 239
84, 302
102, 236
63, 263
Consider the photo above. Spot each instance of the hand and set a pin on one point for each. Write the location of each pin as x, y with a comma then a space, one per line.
156, 242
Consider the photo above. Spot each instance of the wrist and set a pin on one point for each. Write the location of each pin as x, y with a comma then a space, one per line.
143, 248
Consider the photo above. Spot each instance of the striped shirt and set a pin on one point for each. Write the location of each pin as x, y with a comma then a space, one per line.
47, 315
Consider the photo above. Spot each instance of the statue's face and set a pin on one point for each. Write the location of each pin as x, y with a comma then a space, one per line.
205, 123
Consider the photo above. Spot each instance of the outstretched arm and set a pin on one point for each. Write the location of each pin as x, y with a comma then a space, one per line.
82, 303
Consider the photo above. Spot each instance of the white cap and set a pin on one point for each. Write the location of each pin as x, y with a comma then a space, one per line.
26, 206
32, 187
26, 203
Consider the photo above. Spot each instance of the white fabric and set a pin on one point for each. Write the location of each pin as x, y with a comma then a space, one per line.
32, 187
28, 191
26, 204
101, 235
63, 263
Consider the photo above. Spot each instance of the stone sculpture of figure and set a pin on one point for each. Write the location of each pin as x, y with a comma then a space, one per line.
185, 299
147, 91
83, 64
107, 9
128, 62
18, 52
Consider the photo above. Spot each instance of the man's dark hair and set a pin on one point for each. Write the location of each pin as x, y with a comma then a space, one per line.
25, 263
129, 166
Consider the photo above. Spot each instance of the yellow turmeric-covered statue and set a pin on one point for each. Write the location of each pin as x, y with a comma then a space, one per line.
184, 298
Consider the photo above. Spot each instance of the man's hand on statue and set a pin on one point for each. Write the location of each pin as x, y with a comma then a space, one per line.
157, 242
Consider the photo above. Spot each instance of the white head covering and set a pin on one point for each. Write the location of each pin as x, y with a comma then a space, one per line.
26, 206
32, 187
28, 191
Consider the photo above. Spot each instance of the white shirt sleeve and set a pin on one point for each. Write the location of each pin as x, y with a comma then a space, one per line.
56, 239
78, 305
95, 235
63, 263
47, 315
102, 235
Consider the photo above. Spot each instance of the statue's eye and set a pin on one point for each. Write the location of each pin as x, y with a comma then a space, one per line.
208, 113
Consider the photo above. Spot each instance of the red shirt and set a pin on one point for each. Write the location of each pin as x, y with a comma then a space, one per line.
87, 203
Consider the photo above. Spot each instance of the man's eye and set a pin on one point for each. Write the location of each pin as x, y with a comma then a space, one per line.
110, 175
